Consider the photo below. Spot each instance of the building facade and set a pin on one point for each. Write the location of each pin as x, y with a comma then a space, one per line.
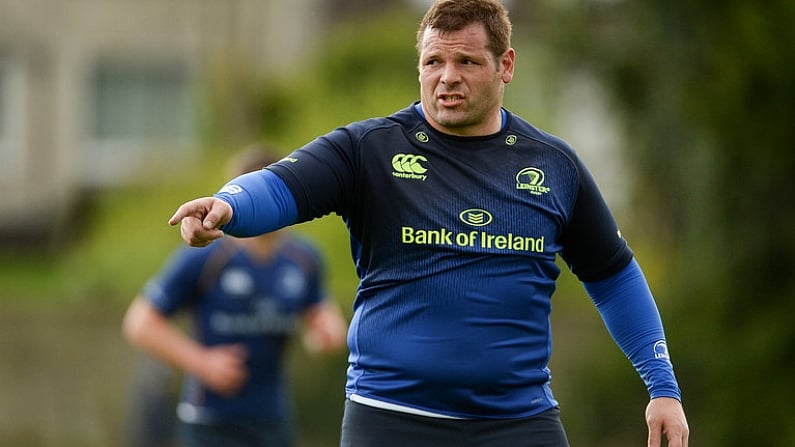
96, 93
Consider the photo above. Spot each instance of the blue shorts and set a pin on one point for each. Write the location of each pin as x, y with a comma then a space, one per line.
236, 434
365, 426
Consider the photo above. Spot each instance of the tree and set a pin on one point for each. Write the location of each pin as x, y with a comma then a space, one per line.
709, 94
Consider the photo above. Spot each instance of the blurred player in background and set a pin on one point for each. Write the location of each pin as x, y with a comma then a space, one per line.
246, 298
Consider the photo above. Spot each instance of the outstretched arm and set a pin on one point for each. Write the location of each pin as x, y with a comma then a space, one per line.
259, 202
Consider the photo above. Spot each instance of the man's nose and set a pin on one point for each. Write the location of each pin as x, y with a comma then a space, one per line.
450, 74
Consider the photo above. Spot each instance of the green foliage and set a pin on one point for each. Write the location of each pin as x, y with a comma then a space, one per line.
351, 77
709, 94
121, 240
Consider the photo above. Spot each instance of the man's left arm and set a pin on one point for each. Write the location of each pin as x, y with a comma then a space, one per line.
630, 313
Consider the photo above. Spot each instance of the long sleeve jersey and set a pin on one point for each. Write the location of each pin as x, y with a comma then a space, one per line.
455, 240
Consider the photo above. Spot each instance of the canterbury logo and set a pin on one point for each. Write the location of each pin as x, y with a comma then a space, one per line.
409, 166
531, 179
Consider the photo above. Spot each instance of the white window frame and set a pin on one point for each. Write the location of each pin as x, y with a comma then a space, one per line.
12, 119
110, 160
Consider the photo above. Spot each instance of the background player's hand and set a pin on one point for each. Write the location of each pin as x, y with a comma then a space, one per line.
665, 416
223, 369
201, 220
325, 328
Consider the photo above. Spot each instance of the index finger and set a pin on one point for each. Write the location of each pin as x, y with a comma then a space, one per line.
185, 210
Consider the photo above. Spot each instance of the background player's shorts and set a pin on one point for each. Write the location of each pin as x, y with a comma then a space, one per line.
236, 434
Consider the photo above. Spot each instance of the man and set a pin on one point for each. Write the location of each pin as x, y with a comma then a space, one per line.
457, 209
245, 297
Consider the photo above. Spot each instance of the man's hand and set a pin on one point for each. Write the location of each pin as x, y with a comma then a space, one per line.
665, 416
325, 328
223, 369
201, 220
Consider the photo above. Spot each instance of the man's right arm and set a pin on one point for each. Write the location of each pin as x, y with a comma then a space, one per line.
261, 201
249, 205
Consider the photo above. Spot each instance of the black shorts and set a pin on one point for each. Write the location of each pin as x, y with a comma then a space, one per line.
365, 426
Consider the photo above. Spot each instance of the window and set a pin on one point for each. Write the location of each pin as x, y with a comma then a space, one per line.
11, 116
140, 103
136, 113
3, 105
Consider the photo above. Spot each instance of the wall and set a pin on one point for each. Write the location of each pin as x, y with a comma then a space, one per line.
96, 93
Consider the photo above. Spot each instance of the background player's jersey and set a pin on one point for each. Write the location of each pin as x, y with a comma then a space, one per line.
455, 241
237, 299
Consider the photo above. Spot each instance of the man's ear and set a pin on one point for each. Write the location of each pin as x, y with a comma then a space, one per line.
507, 62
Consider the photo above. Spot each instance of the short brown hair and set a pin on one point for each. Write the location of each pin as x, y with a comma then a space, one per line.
455, 15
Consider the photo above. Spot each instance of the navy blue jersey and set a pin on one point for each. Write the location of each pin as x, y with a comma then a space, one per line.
455, 241
234, 298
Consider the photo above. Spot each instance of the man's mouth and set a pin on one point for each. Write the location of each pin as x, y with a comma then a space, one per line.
450, 100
